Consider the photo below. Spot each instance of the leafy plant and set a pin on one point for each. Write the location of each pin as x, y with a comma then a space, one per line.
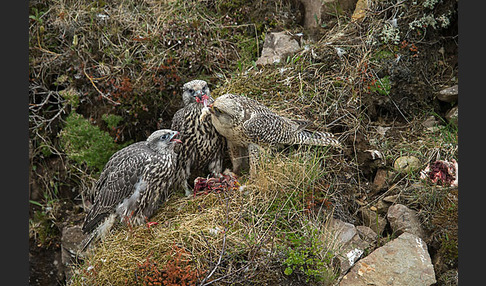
307, 256
37, 15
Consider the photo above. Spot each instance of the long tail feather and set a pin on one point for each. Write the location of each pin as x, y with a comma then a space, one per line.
318, 138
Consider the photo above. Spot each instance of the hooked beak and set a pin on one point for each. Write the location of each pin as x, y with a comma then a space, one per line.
202, 98
173, 139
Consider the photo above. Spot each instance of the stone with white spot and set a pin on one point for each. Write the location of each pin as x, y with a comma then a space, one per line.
449, 94
402, 261
348, 244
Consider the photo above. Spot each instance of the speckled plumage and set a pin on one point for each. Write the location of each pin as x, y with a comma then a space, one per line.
203, 147
133, 183
248, 124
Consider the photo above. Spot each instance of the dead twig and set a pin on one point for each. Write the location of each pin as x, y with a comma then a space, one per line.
99, 91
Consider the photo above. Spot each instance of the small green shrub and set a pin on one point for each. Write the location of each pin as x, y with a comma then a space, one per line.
86, 143
112, 120
308, 256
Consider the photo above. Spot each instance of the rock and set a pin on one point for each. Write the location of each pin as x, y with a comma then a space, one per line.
452, 115
373, 220
366, 233
402, 261
391, 199
406, 164
276, 47
380, 181
71, 239
431, 124
382, 207
317, 11
360, 10
349, 246
450, 94
402, 219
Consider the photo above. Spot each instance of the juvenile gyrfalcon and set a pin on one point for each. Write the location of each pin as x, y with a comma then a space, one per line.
203, 147
132, 185
248, 124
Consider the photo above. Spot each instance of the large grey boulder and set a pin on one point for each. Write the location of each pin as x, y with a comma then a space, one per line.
401, 262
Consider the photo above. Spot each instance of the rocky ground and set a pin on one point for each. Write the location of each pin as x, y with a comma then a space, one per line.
381, 75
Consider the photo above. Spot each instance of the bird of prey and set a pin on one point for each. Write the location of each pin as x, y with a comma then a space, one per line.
203, 149
132, 185
248, 124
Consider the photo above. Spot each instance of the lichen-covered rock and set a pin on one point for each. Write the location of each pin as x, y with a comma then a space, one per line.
406, 164
349, 246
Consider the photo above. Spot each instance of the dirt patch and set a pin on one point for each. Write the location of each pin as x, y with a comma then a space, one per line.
45, 264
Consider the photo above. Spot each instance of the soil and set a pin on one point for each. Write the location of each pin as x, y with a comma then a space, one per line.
45, 264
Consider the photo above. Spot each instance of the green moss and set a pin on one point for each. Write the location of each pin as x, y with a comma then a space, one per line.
85, 143
383, 54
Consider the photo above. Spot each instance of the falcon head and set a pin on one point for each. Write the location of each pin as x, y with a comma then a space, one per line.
226, 112
162, 139
196, 91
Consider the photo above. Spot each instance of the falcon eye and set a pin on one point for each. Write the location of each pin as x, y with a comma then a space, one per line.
165, 136
191, 90
217, 110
